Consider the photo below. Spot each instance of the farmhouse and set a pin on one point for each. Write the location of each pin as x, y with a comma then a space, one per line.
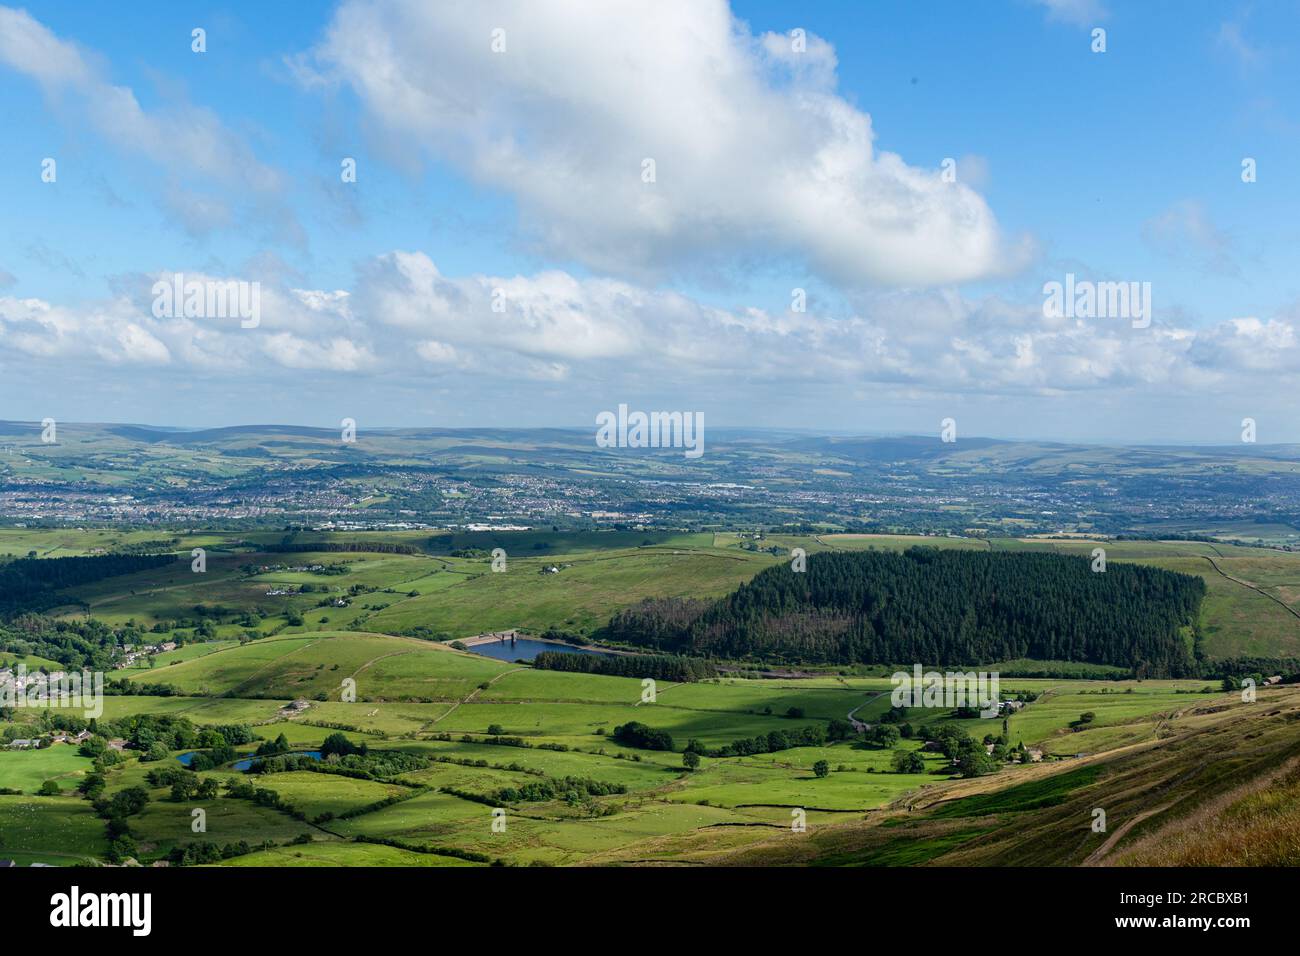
23, 743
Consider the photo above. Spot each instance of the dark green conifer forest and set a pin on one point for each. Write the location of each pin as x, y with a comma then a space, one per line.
937, 608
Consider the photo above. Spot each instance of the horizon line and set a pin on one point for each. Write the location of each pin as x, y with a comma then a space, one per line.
812, 432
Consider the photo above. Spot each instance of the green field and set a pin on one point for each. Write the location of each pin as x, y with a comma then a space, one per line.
26, 770
61, 831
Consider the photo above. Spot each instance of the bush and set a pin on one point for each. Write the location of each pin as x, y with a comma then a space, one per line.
636, 734
908, 761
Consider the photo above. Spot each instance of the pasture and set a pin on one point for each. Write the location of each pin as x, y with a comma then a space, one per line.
26, 770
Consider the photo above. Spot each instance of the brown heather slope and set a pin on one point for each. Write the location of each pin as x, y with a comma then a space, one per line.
1255, 824
1222, 787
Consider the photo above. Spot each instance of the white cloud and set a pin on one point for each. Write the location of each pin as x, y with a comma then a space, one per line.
29, 47
336, 354
755, 154
1083, 13
1232, 39
1184, 232
105, 332
298, 330
406, 322
188, 141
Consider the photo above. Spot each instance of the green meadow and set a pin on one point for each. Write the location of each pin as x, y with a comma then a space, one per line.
26, 770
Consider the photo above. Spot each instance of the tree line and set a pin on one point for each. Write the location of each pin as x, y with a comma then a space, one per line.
658, 667
288, 546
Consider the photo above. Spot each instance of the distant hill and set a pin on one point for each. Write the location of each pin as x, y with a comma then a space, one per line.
746, 478
905, 448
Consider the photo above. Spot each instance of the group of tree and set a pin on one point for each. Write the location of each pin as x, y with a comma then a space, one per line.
115, 811
197, 854
658, 667
968, 756
75, 644
938, 607
371, 765
290, 544
636, 734
269, 748
339, 744
571, 788
184, 784
813, 735
30, 584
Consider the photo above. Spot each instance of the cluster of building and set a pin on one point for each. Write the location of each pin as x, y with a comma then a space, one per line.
297, 568
21, 682
32, 743
132, 654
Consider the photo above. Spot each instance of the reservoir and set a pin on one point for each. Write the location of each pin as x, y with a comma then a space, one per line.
524, 649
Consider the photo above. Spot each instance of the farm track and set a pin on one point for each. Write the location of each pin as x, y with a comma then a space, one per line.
682, 551
1258, 590
470, 696
375, 660
858, 725
1096, 857
233, 691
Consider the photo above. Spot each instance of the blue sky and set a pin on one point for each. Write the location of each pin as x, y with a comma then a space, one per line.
518, 172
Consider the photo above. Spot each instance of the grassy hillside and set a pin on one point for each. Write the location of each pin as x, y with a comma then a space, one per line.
1217, 788
305, 665
1250, 610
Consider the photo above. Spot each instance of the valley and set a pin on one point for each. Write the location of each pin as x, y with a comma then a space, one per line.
358, 636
